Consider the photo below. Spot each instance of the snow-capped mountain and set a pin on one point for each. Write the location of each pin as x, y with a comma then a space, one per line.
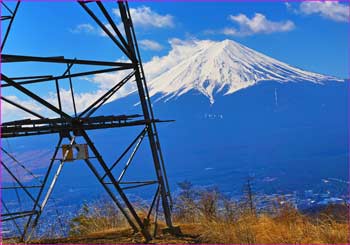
211, 67
287, 125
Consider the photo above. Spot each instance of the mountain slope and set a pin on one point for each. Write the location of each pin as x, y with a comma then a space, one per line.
290, 127
290, 130
211, 67
290, 136
289, 124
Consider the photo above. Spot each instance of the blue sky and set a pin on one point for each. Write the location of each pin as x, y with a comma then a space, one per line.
312, 35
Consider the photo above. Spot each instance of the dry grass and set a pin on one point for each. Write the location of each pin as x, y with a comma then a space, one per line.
97, 217
265, 229
221, 220
287, 226
208, 217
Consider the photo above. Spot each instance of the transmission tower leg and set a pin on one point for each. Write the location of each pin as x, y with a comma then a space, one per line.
130, 207
146, 112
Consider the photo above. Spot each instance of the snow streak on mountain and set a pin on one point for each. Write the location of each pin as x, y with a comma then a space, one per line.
211, 67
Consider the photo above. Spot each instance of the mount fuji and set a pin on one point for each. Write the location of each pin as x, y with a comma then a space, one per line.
239, 113
226, 66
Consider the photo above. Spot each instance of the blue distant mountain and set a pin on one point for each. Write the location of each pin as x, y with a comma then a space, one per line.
240, 113
237, 113
290, 136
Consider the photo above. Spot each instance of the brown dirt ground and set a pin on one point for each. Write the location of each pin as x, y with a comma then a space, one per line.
190, 235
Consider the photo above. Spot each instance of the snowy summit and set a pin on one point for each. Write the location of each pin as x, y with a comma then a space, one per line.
211, 67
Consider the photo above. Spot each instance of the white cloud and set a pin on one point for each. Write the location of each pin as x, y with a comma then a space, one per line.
84, 28
10, 112
258, 24
106, 80
327, 9
110, 29
229, 31
147, 44
82, 99
143, 16
288, 5
94, 30
146, 17
180, 50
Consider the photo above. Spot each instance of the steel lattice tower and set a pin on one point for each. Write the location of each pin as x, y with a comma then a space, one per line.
70, 128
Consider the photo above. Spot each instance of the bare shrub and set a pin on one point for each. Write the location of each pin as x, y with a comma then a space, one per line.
100, 216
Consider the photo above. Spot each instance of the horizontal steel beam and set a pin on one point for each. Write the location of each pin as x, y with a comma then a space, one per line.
7, 58
7, 17
79, 74
13, 217
62, 120
17, 213
31, 77
19, 187
31, 127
